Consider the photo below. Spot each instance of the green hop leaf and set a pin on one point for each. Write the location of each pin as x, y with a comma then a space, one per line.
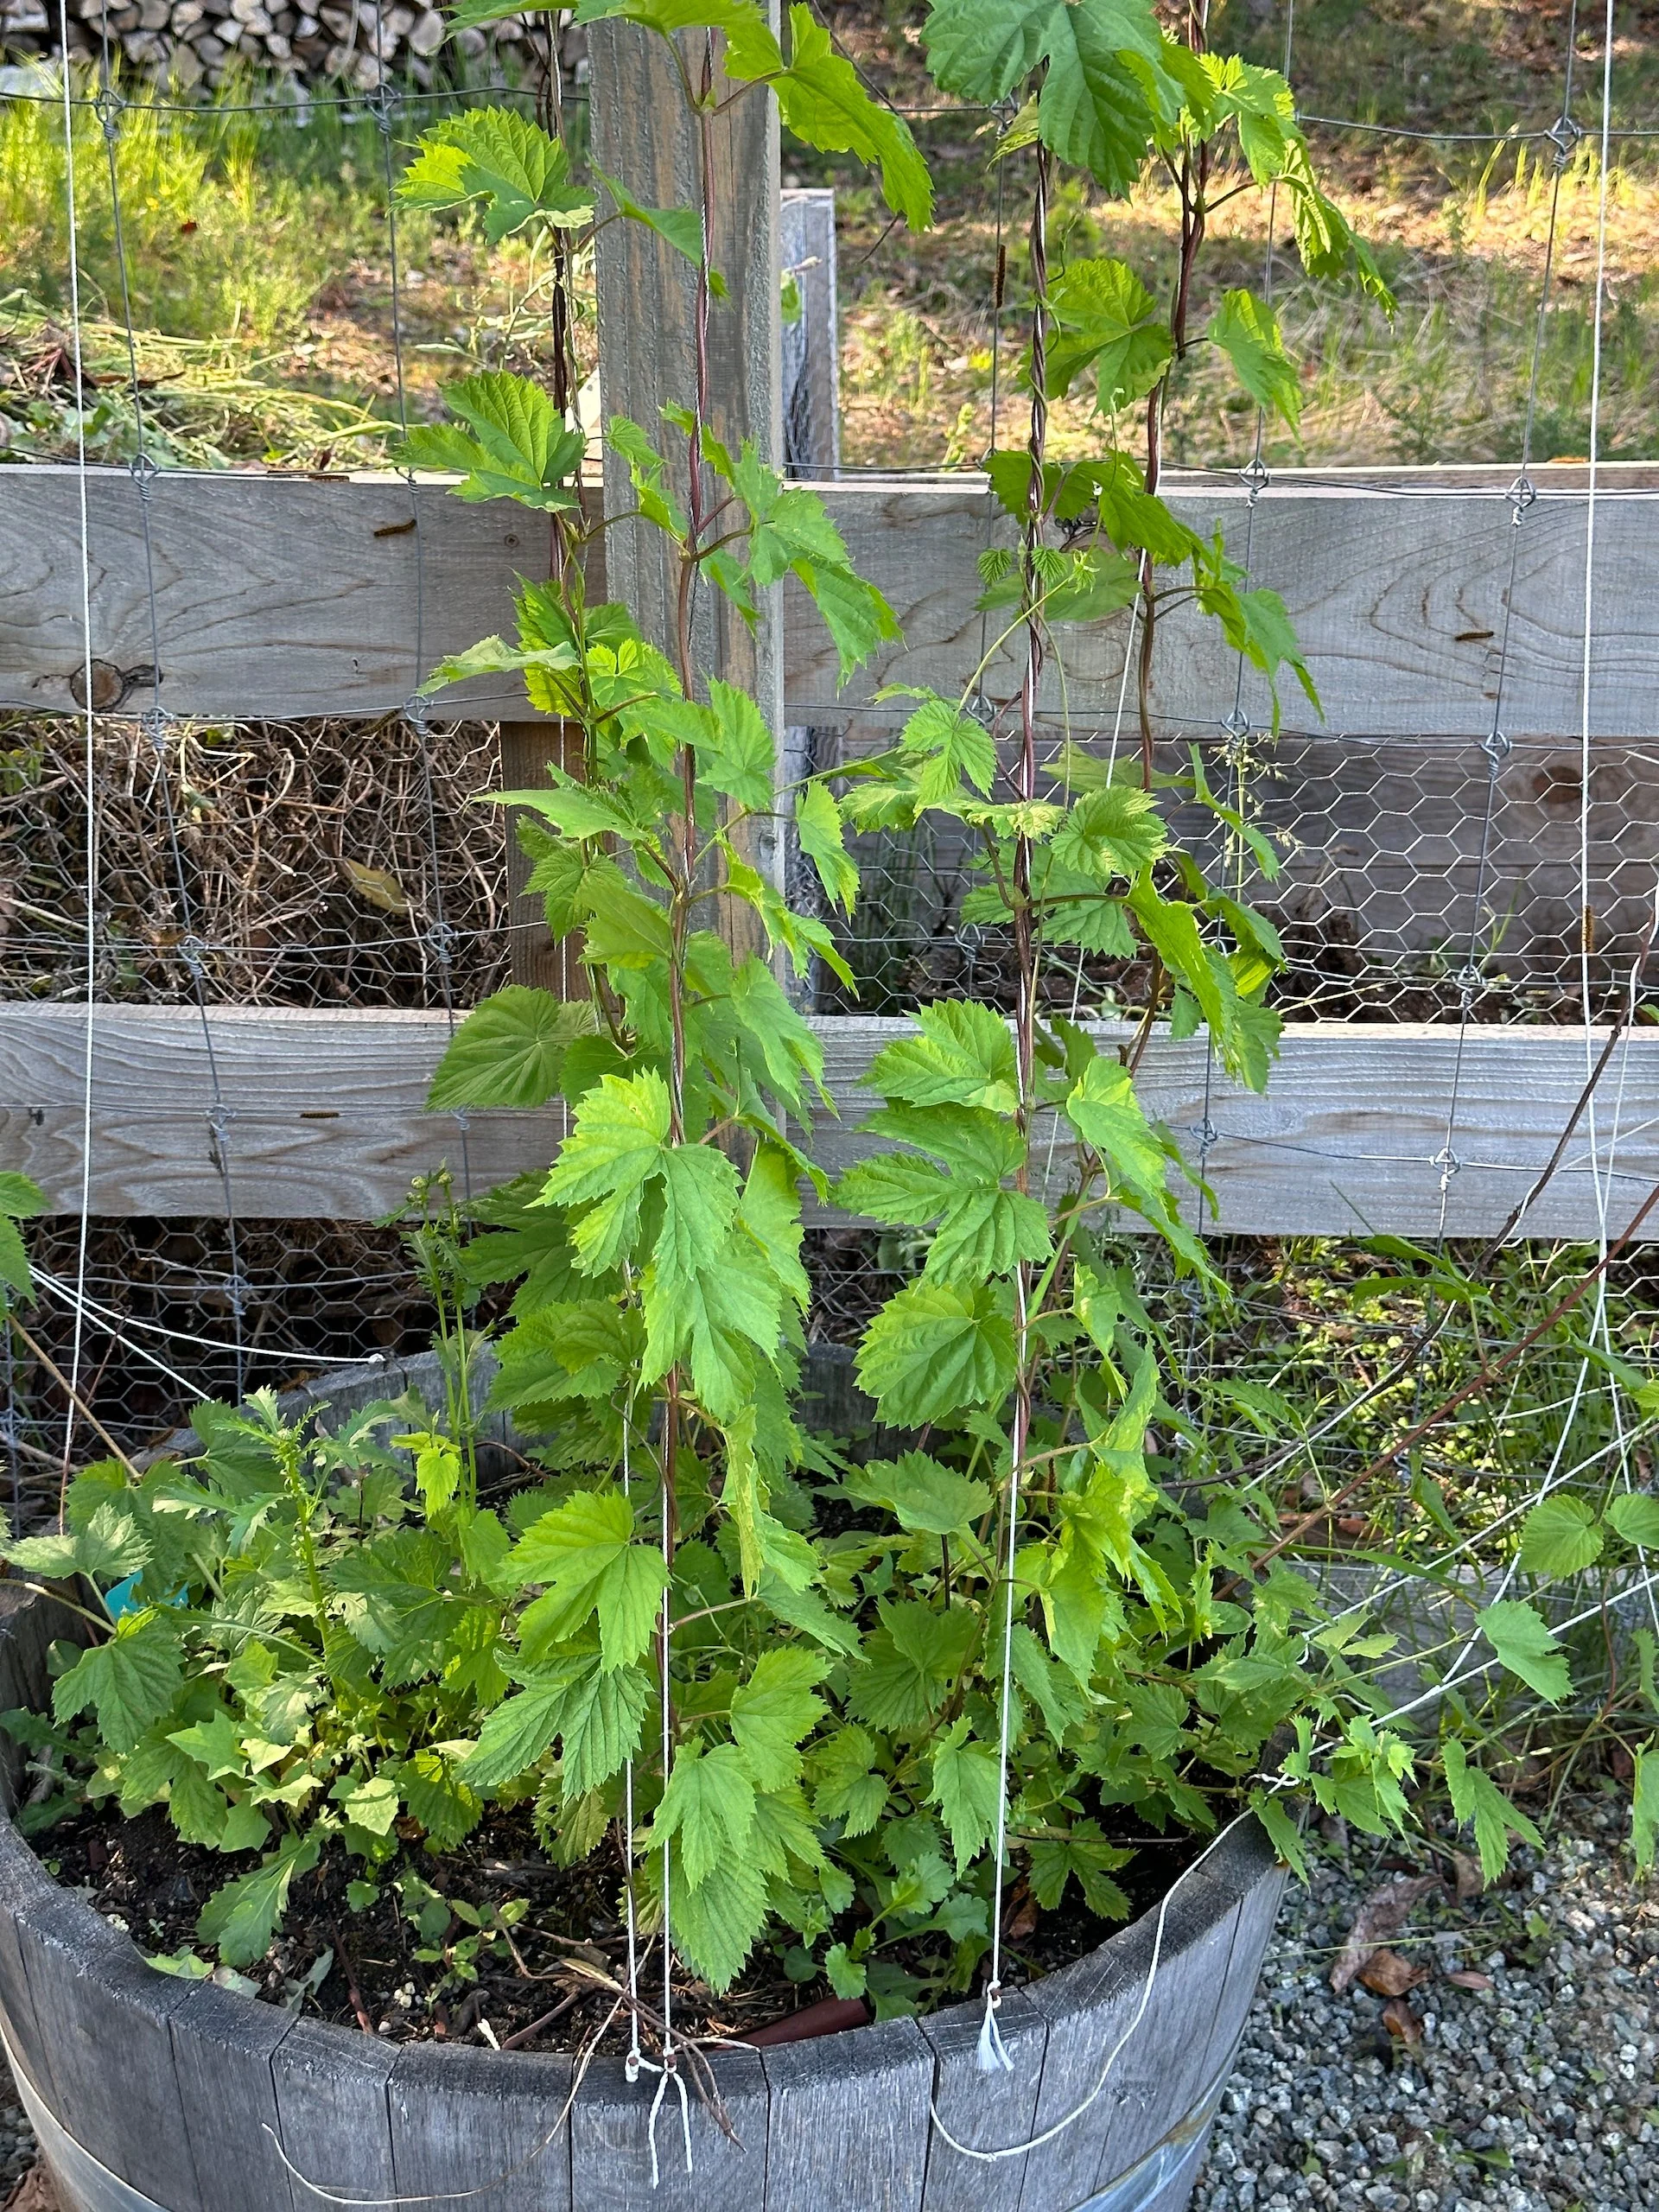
936, 1349
1526, 1645
1559, 1536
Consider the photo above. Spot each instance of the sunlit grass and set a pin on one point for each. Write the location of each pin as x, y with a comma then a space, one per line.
255, 255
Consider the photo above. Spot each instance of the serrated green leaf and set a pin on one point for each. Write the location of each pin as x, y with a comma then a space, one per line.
1105, 316
818, 826
921, 1494
1475, 1796
1283, 1832
715, 1921
709, 1805
912, 1660
15, 1271
446, 1807
856, 614
584, 1551
739, 757
773, 1710
954, 747
847, 1975
371, 1805
507, 1052
601, 1726
1644, 1808
216, 1746
1247, 331
515, 445
1560, 1536
502, 158
752, 50
964, 1055
700, 1195
518, 1732
1093, 110
1083, 1855
1635, 1514
821, 101
894, 1186
1114, 832
616, 1145
966, 1788
131, 1681
1527, 1646
790, 1048
845, 1786
21, 1199
1108, 1115
240, 1919
934, 1349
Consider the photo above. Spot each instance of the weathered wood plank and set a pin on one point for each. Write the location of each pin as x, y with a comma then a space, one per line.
1258, 1910
812, 343
463, 2118
23, 1881
1397, 602
327, 1119
1161, 2073
222, 2049
610, 2142
1089, 2007
284, 596
985, 2110
849, 2123
103, 2015
277, 595
537, 957
331, 2111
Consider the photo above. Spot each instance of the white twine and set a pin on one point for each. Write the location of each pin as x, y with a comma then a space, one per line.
1036, 2142
667, 2072
634, 2058
78, 1339
993, 2056
445, 2196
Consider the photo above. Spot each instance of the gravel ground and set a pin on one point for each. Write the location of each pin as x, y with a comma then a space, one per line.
16, 2138
1537, 2092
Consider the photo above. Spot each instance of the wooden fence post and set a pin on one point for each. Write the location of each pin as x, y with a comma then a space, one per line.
640, 134
811, 343
535, 956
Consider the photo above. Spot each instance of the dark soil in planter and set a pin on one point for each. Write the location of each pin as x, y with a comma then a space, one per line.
142, 1877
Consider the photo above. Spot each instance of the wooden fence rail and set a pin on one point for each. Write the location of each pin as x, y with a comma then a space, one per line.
286, 596
326, 1119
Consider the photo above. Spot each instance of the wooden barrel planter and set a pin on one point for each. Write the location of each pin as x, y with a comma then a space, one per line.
146, 2091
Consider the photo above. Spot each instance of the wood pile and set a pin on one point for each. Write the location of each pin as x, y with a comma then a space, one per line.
357, 44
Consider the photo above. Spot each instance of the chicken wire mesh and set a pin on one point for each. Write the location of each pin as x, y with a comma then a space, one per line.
1418, 880
176, 1311
329, 865
307, 875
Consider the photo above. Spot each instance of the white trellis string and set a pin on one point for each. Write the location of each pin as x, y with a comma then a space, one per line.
992, 2055
78, 1339
633, 2061
1600, 1182
446, 2195
1036, 2142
